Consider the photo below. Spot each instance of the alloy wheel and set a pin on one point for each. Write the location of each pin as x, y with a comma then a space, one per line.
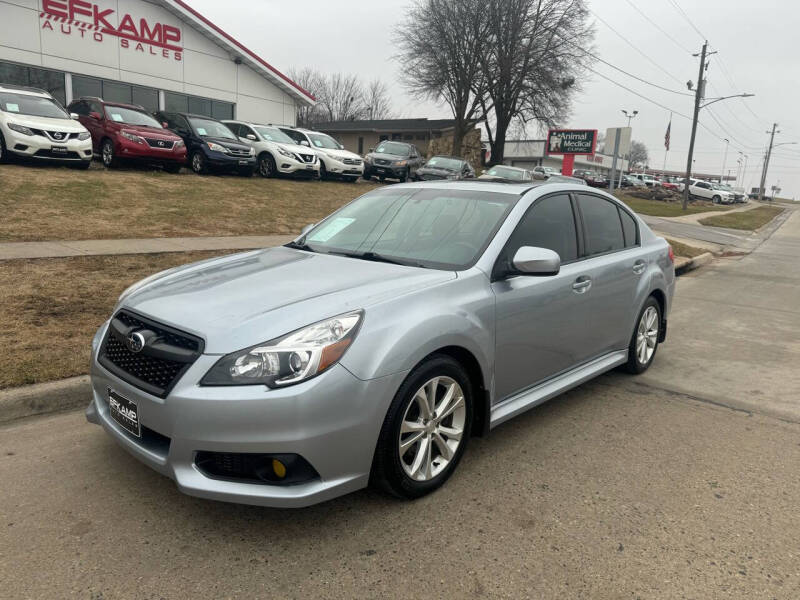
108, 154
647, 335
265, 166
432, 428
197, 163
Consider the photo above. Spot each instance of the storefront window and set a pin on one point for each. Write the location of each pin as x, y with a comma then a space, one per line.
198, 106
50, 81
114, 91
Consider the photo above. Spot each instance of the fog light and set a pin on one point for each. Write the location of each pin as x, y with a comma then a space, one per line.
278, 468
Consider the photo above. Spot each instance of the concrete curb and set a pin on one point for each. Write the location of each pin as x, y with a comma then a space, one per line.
691, 264
43, 398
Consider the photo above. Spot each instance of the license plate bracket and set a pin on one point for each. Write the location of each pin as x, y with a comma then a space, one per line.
242, 162
124, 412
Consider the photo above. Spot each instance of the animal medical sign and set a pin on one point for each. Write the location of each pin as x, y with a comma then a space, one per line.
571, 141
93, 23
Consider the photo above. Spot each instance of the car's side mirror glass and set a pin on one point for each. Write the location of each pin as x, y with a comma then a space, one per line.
530, 260
95, 115
165, 125
307, 228
74, 116
304, 143
372, 149
251, 137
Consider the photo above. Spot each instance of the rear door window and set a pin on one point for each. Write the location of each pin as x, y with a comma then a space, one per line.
629, 228
602, 225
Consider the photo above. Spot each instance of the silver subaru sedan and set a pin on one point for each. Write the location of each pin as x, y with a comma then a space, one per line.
372, 347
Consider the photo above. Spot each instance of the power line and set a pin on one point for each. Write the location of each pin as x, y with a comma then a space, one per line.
632, 45
733, 114
650, 100
682, 13
657, 26
727, 132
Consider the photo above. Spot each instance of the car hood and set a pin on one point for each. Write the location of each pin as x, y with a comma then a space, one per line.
47, 123
228, 143
244, 299
297, 148
158, 133
338, 153
436, 171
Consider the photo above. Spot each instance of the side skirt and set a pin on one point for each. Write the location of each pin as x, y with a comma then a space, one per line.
543, 392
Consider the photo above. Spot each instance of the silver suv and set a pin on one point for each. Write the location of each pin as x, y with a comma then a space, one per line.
276, 152
372, 347
33, 125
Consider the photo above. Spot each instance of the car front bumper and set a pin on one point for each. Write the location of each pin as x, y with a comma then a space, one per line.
220, 160
145, 152
292, 166
332, 421
334, 167
385, 171
41, 148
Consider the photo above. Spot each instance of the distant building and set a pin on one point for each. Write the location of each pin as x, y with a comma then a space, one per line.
531, 153
360, 136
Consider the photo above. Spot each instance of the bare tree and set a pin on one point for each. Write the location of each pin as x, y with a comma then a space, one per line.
532, 64
441, 46
376, 101
638, 154
310, 80
342, 97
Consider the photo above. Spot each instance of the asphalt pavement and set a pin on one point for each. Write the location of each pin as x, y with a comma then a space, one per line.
681, 483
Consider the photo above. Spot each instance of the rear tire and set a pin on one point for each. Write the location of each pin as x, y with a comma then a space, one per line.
644, 341
426, 429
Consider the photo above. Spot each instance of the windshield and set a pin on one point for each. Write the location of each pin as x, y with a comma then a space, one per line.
209, 128
393, 148
506, 173
434, 228
442, 162
131, 117
273, 134
34, 106
724, 188
320, 140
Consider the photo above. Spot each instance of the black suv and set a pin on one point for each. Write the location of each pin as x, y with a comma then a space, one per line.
395, 160
446, 167
210, 144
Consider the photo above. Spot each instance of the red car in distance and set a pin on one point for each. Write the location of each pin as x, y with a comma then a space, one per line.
127, 132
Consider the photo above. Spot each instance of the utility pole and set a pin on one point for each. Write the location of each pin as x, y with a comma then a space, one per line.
698, 98
766, 163
724, 160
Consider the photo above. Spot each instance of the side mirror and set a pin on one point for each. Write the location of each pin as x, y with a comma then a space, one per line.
307, 228
74, 116
251, 137
530, 260
372, 149
304, 143
165, 125
95, 115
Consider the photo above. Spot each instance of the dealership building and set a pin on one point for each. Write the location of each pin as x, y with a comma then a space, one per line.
160, 54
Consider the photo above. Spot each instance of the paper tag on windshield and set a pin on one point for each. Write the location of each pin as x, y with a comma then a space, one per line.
201, 131
12, 107
116, 117
329, 230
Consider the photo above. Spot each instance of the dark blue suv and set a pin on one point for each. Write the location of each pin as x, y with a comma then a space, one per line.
210, 144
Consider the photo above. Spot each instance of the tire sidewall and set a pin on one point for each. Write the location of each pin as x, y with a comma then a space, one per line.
387, 463
3, 150
634, 366
201, 166
107, 143
267, 159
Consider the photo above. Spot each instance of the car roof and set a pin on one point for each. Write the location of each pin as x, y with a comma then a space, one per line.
24, 89
512, 188
185, 114
449, 156
509, 167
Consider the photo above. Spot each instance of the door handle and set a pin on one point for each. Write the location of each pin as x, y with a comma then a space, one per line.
639, 267
582, 284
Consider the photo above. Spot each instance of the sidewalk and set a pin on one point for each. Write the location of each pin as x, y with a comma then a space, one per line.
60, 249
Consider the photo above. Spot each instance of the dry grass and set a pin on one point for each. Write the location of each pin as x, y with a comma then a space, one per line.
748, 220
57, 203
681, 249
50, 309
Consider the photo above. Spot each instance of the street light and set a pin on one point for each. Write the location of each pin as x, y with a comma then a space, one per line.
629, 116
724, 158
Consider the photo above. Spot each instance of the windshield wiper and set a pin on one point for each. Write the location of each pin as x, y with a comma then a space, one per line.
375, 257
300, 245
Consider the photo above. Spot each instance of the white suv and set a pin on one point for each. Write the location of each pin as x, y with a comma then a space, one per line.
34, 125
648, 180
335, 161
276, 152
710, 191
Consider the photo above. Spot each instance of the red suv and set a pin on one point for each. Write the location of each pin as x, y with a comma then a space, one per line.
125, 131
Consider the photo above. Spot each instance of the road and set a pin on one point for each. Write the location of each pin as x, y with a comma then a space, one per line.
682, 483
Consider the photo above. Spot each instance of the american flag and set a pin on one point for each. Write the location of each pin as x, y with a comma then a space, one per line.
666, 135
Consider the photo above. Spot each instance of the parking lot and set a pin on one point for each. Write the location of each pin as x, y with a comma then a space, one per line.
680, 483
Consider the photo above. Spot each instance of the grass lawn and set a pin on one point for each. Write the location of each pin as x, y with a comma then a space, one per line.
749, 220
657, 208
57, 203
50, 309
681, 249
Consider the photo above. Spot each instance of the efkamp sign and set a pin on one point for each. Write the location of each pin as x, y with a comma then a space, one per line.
571, 141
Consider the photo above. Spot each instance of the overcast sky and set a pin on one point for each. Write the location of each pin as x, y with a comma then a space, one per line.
756, 42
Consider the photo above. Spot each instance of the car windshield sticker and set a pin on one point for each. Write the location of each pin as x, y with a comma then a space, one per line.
12, 107
117, 117
327, 231
201, 131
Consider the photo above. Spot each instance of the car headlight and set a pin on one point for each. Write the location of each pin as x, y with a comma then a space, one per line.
217, 148
84, 136
132, 137
401, 163
286, 153
179, 144
20, 129
289, 359
453, 176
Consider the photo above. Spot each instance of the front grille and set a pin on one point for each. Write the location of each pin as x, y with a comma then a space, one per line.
430, 177
309, 158
254, 468
352, 161
59, 155
237, 152
161, 144
165, 357
58, 136
381, 161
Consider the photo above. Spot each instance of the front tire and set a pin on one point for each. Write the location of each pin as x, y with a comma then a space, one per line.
716, 200
198, 163
266, 166
644, 342
3, 152
108, 155
323, 172
426, 429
